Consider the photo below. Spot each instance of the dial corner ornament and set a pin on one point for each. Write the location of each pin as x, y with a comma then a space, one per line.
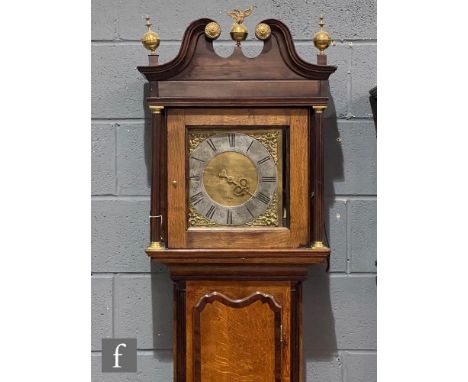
232, 180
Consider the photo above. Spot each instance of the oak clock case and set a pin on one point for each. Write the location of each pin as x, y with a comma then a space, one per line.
237, 200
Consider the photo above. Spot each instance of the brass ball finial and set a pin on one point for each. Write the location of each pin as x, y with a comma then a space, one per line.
150, 39
322, 39
239, 33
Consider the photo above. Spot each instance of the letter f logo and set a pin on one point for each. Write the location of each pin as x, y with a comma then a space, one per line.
117, 355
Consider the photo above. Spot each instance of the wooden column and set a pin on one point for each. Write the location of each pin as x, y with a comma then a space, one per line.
158, 213
179, 333
318, 186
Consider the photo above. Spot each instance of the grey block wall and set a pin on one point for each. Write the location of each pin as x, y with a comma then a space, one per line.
131, 297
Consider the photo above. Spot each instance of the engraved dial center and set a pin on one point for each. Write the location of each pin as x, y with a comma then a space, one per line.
230, 178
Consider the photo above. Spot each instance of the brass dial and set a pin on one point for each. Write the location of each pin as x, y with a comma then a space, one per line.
232, 177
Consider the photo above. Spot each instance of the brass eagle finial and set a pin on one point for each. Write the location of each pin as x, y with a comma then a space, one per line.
239, 31
239, 16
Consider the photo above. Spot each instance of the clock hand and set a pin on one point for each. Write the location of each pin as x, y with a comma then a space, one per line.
229, 179
240, 188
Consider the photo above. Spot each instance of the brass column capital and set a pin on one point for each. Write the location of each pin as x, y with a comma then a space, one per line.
155, 109
319, 108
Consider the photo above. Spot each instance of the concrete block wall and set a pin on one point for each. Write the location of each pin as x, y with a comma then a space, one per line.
131, 297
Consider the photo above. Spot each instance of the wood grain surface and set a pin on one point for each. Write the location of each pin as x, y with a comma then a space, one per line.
197, 59
238, 331
295, 236
255, 324
176, 194
223, 88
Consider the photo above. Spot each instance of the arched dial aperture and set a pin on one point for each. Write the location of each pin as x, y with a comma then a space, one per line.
232, 178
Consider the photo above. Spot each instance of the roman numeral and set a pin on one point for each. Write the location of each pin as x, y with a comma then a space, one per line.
211, 212
250, 212
195, 177
229, 217
197, 198
248, 148
211, 144
232, 139
261, 161
268, 179
201, 160
263, 198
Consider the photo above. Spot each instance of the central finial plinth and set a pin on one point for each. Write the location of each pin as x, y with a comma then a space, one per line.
238, 31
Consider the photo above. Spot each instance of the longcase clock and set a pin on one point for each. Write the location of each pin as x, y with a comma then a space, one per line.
237, 198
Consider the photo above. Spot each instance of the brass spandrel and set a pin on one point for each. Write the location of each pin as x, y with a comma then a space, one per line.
196, 219
271, 141
195, 138
269, 218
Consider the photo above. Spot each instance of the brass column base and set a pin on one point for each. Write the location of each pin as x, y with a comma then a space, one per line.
156, 246
318, 244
